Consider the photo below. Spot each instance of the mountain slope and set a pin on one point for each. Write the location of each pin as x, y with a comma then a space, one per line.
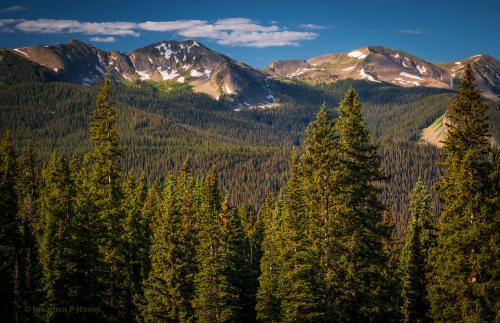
380, 64
188, 62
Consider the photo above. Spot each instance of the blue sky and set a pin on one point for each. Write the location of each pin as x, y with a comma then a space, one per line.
258, 32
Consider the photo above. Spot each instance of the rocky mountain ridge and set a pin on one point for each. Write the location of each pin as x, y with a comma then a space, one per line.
189, 62
380, 64
217, 75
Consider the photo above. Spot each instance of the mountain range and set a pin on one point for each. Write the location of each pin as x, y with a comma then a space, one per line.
380, 64
215, 74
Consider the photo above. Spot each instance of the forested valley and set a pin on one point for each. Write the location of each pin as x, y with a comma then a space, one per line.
214, 215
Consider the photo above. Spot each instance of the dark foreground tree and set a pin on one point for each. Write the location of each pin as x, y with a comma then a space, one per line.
465, 284
359, 290
420, 237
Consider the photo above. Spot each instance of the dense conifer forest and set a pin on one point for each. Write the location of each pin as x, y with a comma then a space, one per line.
125, 203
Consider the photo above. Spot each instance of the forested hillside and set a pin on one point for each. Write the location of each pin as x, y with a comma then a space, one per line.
90, 236
160, 130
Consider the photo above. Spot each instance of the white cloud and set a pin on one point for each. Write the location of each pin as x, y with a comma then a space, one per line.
109, 39
52, 26
228, 31
312, 26
411, 31
5, 22
170, 25
265, 39
13, 9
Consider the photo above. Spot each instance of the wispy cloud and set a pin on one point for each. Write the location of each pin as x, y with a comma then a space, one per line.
228, 31
54, 26
13, 9
415, 31
312, 26
109, 39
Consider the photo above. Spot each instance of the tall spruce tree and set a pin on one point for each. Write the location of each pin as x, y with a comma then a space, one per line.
467, 256
298, 283
420, 238
29, 269
160, 289
143, 300
105, 178
9, 233
268, 295
169, 289
360, 260
136, 236
321, 174
56, 253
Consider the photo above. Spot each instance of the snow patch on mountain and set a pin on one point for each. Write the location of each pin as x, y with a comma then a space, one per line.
167, 75
357, 54
421, 69
165, 50
410, 75
20, 51
367, 76
195, 73
144, 75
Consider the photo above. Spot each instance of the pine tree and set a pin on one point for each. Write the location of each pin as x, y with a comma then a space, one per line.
85, 234
360, 232
169, 289
29, 269
232, 262
160, 293
251, 253
298, 288
321, 173
466, 259
151, 215
136, 237
420, 239
268, 298
9, 234
106, 190
57, 205
391, 277
186, 238
218, 254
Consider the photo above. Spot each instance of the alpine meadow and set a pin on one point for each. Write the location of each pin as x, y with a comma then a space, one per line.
165, 181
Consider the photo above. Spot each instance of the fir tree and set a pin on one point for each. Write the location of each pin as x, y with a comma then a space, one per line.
218, 254
268, 298
29, 269
321, 173
360, 232
106, 191
391, 277
415, 261
136, 236
252, 231
144, 298
298, 288
466, 259
9, 234
57, 205
169, 289
160, 292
